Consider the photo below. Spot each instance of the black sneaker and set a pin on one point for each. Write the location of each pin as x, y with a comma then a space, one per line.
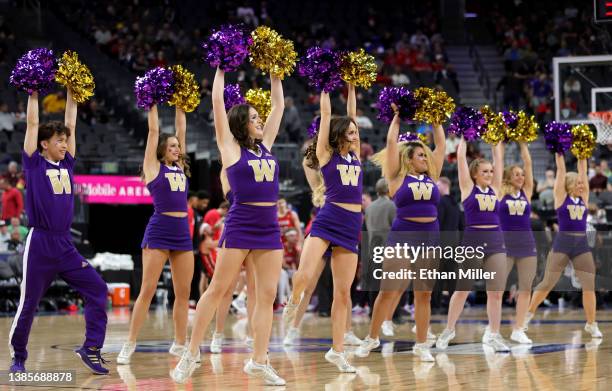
92, 360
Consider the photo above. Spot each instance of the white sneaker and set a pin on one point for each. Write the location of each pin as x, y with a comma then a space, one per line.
185, 367
496, 342
388, 328
592, 329
519, 336
290, 310
216, 343
248, 341
351, 339
487, 335
528, 318
177, 350
368, 344
264, 371
339, 359
444, 338
240, 306
421, 350
292, 337
430, 334
126, 352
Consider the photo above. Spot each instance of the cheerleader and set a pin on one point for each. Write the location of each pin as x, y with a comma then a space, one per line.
167, 236
571, 194
336, 151
411, 170
480, 185
514, 216
251, 225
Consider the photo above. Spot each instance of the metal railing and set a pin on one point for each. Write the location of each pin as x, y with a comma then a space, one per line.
483, 76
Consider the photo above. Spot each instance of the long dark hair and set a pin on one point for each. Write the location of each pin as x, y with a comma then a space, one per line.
238, 119
338, 125
160, 152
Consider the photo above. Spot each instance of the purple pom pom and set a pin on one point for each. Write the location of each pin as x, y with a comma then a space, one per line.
35, 71
156, 86
313, 129
467, 122
227, 47
558, 137
510, 118
402, 97
407, 137
322, 68
232, 96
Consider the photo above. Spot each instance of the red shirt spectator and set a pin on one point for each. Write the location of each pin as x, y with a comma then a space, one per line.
12, 201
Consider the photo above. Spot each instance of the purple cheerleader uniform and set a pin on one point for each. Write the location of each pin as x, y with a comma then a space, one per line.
253, 178
514, 212
49, 252
344, 184
481, 208
571, 238
169, 191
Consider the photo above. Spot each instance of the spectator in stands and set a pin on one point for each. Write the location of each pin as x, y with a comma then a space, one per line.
214, 218
54, 103
14, 176
366, 150
599, 181
15, 243
12, 200
7, 120
452, 141
420, 40
399, 78
363, 121
512, 89
606, 196
5, 236
569, 108
17, 226
103, 36
545, 189
449, 215
292, 122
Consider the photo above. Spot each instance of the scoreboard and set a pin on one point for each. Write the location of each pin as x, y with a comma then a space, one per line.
603, 10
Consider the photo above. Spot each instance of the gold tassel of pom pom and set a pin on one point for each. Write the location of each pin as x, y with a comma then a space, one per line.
261, 101
583, 141
186, 90
435, 106
497, 129
75, 75
358, 68
526, 130
271, 53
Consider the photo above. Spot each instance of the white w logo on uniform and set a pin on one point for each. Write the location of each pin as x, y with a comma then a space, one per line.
516, 208
576, 211
421, 190
486, 202
176, 180
60, 181
263, 169
349, 174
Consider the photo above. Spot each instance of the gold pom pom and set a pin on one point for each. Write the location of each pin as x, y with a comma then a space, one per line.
271, 53
186, 90
583, 142
434, 106
75, 75
496, 128
261, 101
358, 68
526, 130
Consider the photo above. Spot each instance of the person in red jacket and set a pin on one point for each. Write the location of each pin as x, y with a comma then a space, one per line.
12, 200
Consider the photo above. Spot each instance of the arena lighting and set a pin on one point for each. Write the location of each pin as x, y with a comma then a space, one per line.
603, 11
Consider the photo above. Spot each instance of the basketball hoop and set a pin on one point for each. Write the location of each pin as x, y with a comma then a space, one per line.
603, 122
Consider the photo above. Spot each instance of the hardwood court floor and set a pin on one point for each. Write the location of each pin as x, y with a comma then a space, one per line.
562, 357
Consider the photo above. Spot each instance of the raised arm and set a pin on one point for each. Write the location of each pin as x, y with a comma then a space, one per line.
439, 153
31, 136
312, 176
351, 102
528, 170
323, 153
273, 122
559, 186
230, 151
498, 167
70, 117
584, 178
392, 157
180, 125
150, 165
466, 184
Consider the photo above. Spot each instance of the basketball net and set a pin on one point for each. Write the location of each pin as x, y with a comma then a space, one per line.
603, 122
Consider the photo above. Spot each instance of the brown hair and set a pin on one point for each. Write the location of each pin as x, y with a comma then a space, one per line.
161, 151
406, 152
48, 130
507, 187
475, 164
338, 125
238, 119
